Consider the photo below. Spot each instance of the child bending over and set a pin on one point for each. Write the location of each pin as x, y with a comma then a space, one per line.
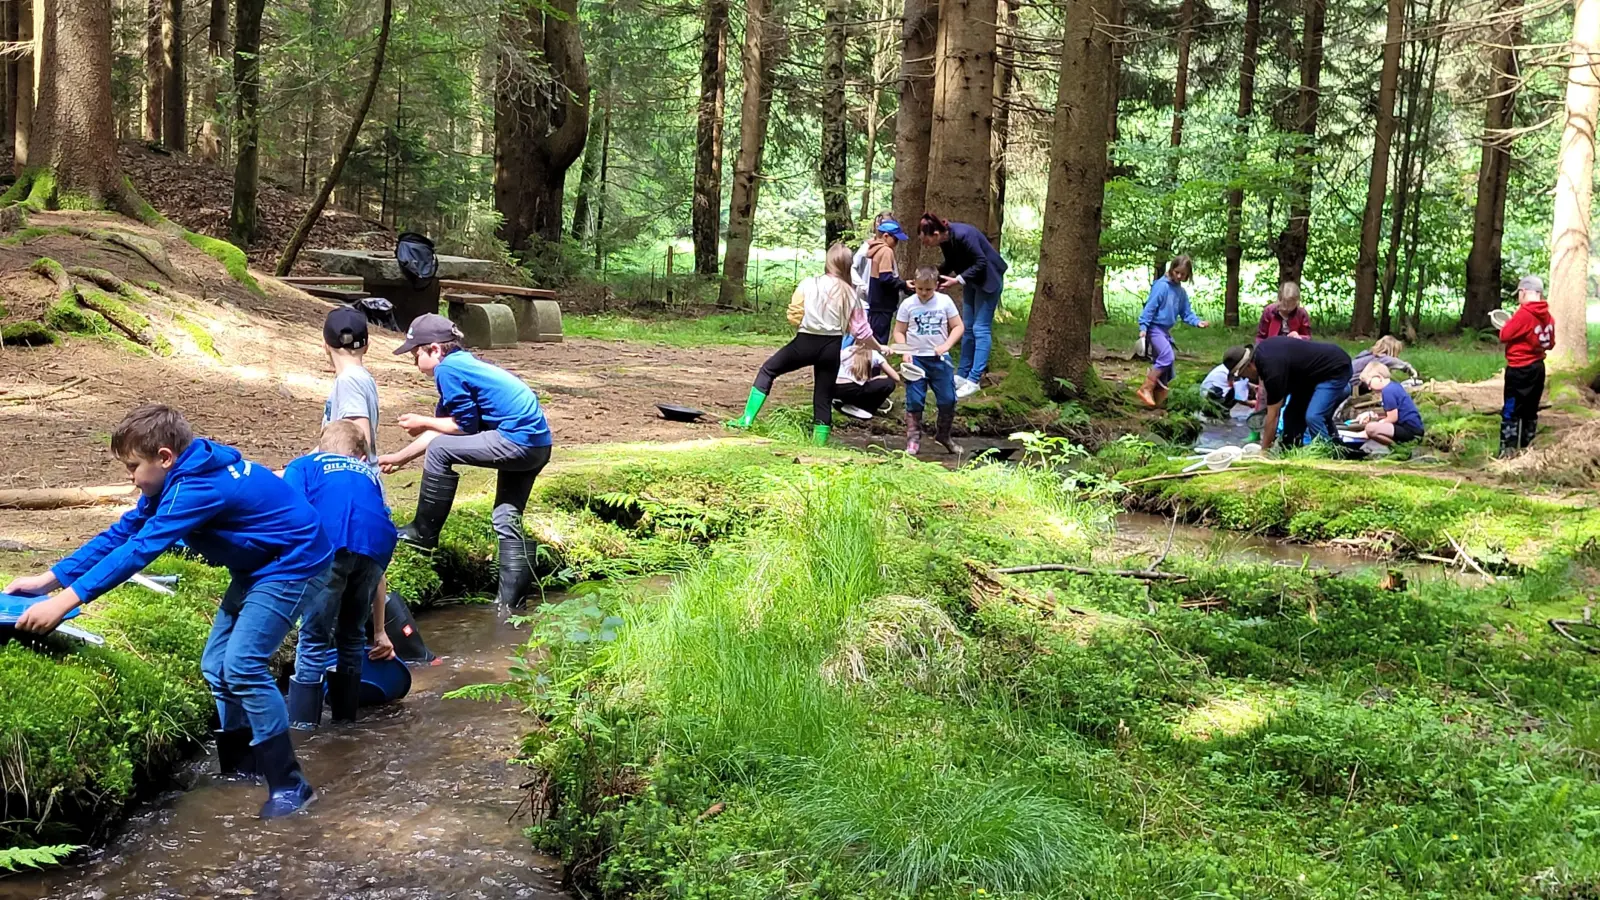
1401, 421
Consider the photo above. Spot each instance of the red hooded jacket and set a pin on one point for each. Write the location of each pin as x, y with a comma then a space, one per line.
1529, 335
1272, 322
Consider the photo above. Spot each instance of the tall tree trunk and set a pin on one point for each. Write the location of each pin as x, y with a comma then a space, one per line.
1494, 175
309, 221
876, 75
1180, 105
913, 121
589, 174
1411, 100
23, 96
540, 124
605, 172
74, 125
1004, 74
209, 146
708, 137
1113, 89
1362, 321
175, 89
8, 33
1424, 146
1296, 237
1569, 232
1058, 328
834, 176
963, 111
756, 64
155, 71
242, 218
1233, 247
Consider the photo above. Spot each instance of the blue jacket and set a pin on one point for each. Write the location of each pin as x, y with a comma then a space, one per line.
233, 512
348, 499
1168, 303
968, 253
482, 396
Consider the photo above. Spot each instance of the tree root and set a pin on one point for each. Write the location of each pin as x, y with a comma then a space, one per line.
149, 251
1138, 574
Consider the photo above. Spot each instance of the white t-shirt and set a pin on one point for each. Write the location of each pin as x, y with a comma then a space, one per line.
1217, 378
927, 322
848, 354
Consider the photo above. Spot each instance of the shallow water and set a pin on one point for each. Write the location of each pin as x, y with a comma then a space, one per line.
1141, 531
413, 804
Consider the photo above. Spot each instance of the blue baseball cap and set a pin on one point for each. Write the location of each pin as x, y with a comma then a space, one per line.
893, 229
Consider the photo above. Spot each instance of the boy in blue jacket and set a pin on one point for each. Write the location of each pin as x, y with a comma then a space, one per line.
1168, 303
486, 417
235, 514
348, 498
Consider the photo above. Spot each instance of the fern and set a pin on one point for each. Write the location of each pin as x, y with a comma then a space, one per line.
35, 857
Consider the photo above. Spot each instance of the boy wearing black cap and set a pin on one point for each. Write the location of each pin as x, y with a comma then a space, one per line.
355, 394
486, 417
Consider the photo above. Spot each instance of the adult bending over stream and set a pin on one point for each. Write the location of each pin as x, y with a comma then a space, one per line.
1304, 382
972, 263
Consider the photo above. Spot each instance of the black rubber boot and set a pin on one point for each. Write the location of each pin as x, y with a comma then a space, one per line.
287, 791
235, 759
305, 705
941, 433
516, 573
1510, 438
1529, 429
344, 696
435, 495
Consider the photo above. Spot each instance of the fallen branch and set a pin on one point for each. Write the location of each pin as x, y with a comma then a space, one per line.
64, 498
1171, 532
144, 337
1466, 559
1560, 625
30, 398
1140, 574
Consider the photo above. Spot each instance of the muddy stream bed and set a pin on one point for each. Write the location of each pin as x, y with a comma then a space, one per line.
415, 802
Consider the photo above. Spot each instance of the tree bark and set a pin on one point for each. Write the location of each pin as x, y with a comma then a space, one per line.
1494, 175
707, 224
1058, 329
1180, 105
175, 88
757, 61
834, 175
8, 33
1363, 321
1569, 232
23, 95
589, 173
309, 221
1296, 237
155, 74
1410, 101
209, 147
963, 111
1233, 247
540, 125
242, 219
605, 172
880, 50
1113, 88
913, 122
74, 123
1004, 74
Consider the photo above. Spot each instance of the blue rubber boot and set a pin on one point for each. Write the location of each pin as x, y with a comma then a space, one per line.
305, 705
287, 791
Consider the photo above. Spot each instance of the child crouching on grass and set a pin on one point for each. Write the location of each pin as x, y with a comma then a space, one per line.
930, 325
235, 514
348, 498
1219, 388
1401, 422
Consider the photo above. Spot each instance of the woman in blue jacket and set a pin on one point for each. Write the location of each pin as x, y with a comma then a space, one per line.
1168, 303
971, 263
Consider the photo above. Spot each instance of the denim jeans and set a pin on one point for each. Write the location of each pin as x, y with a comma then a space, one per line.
518, 467
941, 377
977, 314
333, 625
252, 621
1311, 412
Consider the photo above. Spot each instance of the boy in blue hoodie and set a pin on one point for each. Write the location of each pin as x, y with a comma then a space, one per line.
348, 498
235, 514
1167, 305
486, 417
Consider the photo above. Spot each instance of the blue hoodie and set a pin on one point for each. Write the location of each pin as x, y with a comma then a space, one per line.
1168, 303
482, 396
348, 498
233, 512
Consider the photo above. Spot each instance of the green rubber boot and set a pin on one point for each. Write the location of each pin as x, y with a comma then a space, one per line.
751, 407
819, 434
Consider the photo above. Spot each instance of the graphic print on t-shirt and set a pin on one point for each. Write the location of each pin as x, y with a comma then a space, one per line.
1545, 335
927, 322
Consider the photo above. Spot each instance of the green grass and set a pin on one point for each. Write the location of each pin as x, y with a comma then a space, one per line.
732, 329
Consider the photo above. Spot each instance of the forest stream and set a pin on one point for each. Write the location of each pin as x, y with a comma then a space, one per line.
414, 803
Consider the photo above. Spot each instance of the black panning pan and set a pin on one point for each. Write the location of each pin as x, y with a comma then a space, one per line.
675, 413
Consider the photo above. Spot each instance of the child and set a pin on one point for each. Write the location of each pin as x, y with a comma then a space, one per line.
1528, 336
884, 287
865, 382
1168, 303
355, 394
1285, 318
234, 513
1219, 387
486, 417
348, 498
1387, 351
930, 324
1401, 421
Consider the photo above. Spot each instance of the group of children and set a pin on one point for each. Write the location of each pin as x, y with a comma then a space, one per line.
309, 547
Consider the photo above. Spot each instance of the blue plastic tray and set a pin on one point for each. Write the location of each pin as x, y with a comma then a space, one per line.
12, 607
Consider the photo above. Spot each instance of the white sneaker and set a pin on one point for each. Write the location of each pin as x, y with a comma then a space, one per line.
966, 388
853, 411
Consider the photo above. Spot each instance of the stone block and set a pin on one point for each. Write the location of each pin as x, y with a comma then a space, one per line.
485, 326
547, 316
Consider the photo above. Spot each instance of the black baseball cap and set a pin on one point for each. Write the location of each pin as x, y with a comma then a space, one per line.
428, 328
345, 329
